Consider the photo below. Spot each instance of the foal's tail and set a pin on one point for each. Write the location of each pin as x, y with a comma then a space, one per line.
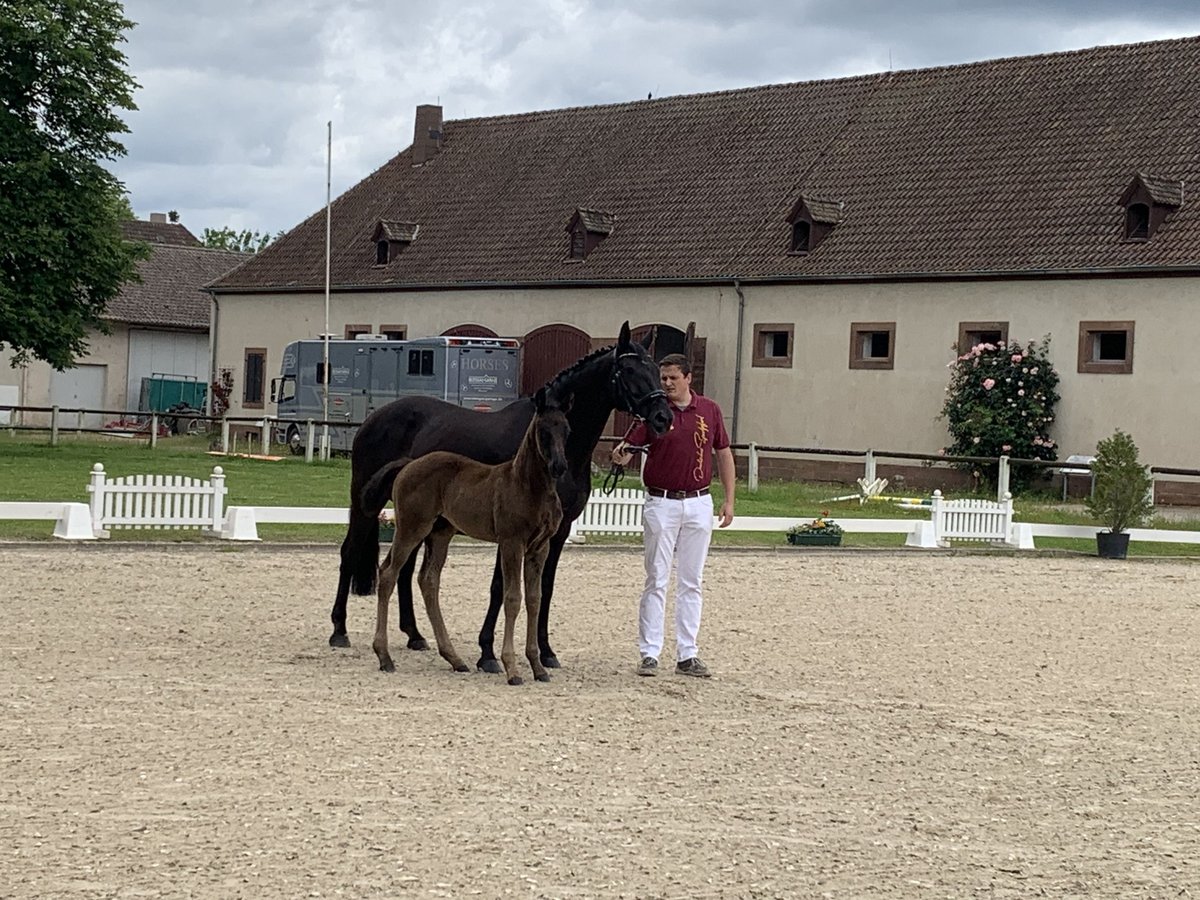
360, 550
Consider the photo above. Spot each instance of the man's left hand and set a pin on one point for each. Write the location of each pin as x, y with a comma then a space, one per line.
726, 514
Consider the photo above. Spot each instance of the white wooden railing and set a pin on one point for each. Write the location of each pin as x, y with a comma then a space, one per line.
617, 513
156, 501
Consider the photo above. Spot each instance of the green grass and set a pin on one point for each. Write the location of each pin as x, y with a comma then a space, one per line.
30, 469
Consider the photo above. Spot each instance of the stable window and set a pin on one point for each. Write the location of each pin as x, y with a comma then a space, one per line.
255, 379
773, 345
353, 331
801, 236
872, 345
1106, 348
972, 333
394, 332
420, 362
383, 253
578, 244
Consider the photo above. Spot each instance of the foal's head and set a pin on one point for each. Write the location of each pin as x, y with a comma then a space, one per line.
549, 430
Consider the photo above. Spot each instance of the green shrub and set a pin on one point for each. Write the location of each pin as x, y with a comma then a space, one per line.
1122, 498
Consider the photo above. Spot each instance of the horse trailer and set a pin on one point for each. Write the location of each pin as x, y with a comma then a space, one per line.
365, 374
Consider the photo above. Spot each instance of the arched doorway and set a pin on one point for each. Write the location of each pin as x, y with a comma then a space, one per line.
548, 350
667, 339
470, 330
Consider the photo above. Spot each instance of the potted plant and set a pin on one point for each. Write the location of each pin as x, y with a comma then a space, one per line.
387, 526
822, 532
1122, 498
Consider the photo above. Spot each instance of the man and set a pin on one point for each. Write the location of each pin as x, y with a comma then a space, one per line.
677, 521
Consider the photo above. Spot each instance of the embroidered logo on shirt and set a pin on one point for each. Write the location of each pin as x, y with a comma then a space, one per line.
701, 440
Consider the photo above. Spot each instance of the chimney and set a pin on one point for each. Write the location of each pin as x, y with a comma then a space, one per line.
427, 134
160, 218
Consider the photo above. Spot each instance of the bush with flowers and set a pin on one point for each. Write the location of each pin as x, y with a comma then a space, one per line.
1000, 402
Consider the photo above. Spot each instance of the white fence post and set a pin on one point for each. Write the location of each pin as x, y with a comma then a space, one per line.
218, 499
265, 441
153, 430
96, 503
869, 474
309, 442
53, 426
1002, 480
752, 468
224, 435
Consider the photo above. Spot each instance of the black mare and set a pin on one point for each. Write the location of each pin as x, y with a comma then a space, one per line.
622, 377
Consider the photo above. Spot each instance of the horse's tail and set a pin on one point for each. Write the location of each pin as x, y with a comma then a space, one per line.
360, 550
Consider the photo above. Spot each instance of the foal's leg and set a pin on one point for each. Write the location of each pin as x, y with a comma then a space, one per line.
401, 550
436, 547
534, 561
511, 554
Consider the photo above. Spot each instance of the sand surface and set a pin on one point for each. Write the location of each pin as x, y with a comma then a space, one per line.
881, 725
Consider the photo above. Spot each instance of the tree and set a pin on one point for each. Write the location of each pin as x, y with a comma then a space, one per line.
244, 241
63, 83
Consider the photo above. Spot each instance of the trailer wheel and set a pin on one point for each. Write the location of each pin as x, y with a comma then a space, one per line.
294, 441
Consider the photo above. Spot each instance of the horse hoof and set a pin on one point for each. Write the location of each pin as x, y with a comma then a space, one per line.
545, 676
516, 679
418, 644
462, 667
339, 640
491, 666
551, 662
386, 665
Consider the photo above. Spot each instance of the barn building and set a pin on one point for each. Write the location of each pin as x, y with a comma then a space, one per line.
823, 249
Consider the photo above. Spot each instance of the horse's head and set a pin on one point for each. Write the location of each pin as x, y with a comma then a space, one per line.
637, 385
550, 431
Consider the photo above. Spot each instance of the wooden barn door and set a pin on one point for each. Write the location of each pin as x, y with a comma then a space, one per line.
547, 351
470, 330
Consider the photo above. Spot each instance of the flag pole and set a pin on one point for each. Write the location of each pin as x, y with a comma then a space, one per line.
328, 218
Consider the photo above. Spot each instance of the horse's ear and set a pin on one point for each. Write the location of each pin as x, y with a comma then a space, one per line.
539, 400
623, 338
648, 339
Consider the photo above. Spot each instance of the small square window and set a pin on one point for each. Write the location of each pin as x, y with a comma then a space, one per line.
872, 345
394, 332
353, 331
1106, 347
420, 362
255, 378
972, 333
773, 346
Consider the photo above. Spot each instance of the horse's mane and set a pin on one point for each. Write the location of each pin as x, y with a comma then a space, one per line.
567, 375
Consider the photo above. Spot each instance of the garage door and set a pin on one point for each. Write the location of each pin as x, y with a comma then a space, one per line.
179, 353
79, 388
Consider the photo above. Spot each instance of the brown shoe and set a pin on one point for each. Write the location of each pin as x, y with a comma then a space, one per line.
648, 667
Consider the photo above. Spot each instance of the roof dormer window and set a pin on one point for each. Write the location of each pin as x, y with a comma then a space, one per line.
1148, 201
587, 228
812, 219
391, 238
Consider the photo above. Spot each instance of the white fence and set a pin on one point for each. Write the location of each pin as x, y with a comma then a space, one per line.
156, 501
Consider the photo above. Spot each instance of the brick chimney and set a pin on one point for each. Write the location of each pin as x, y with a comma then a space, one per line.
427, 134
160, 218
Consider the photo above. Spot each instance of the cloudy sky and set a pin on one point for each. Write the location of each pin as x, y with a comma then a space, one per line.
235, 94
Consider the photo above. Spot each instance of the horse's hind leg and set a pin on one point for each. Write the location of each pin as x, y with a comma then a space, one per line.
487, 634
549, 570
534, 561
437, 545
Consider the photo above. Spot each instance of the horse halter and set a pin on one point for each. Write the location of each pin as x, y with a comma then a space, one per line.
625, 395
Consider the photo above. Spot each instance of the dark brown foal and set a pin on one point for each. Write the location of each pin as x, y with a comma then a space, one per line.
513, 504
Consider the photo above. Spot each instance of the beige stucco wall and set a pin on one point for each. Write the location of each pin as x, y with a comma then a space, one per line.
820, 401
33, 380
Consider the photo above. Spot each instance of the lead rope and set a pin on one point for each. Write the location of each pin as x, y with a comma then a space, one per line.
617, 472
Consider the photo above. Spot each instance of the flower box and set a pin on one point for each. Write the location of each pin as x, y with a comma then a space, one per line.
387, 534
815, 540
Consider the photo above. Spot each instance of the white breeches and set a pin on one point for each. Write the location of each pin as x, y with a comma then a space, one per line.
678, 530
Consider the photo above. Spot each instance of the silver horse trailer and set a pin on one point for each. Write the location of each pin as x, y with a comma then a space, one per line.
365, 374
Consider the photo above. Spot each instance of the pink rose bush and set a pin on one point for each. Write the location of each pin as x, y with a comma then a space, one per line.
1001, 401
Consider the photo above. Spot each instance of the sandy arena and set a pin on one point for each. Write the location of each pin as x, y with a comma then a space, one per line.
881, 725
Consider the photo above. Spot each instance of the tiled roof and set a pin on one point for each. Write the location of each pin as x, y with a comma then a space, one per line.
169, 294
405, 232
1164, 191
158, 233
597, 221
1008, 166
829, 211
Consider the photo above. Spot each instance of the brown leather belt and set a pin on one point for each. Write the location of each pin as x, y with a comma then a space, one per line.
675, 495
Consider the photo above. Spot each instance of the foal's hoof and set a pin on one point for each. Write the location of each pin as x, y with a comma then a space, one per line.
418, 644
550, 661
516, 679
386, 665
491, 666
339, 639
545, 676
462, 667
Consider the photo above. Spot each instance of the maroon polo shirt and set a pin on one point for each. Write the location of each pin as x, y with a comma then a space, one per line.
682, 459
